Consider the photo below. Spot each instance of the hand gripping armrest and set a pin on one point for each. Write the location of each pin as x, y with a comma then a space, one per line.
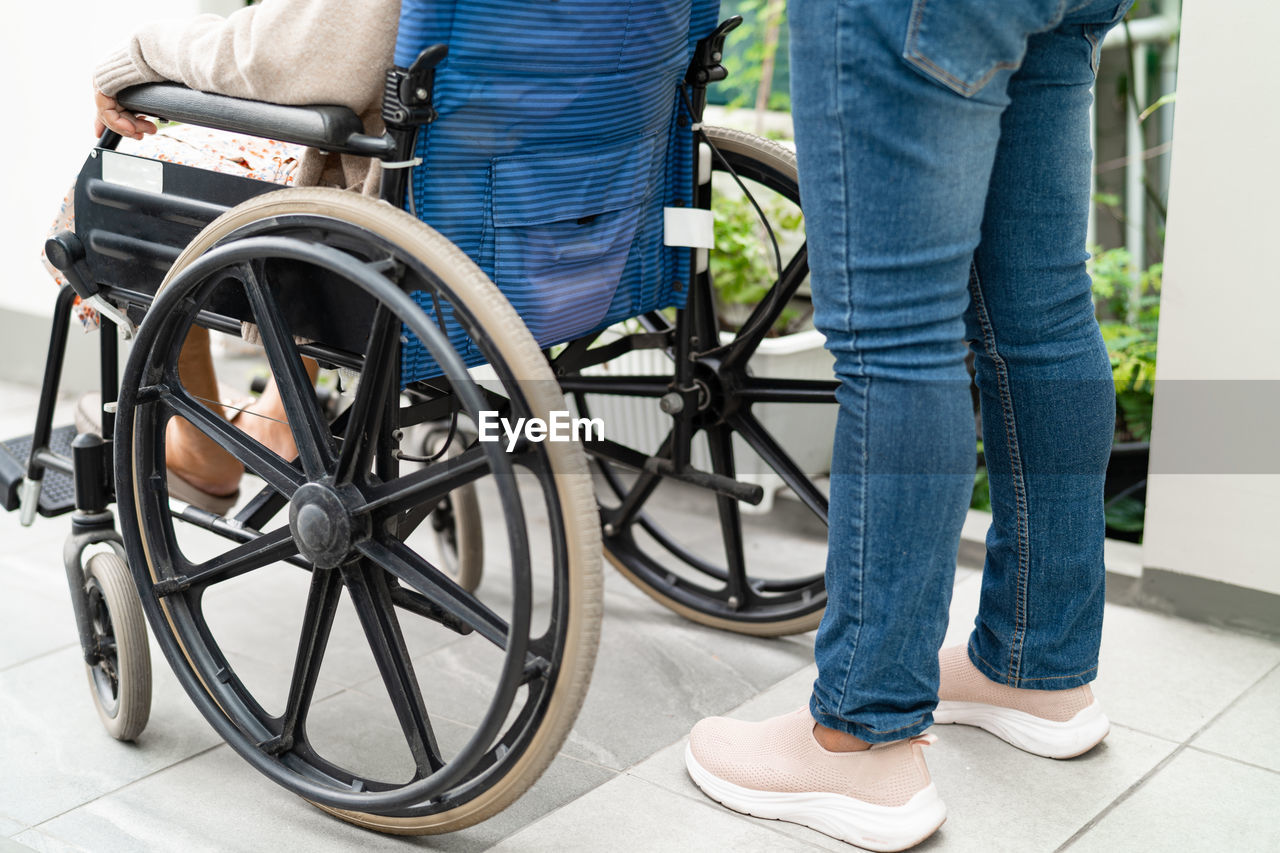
330, 128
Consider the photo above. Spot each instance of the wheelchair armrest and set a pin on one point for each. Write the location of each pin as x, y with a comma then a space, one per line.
330, 128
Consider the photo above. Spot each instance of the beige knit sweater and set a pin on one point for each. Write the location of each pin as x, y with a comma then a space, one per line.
281, 51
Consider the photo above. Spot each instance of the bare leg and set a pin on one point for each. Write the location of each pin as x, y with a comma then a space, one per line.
266, 421
197, 458
189, 453
834, 740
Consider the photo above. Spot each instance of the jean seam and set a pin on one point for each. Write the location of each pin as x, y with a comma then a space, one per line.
996, 669
909, 725
846, 287
1059, 677
1022, 519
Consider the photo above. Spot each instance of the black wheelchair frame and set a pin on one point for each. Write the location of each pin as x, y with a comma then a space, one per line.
710, 390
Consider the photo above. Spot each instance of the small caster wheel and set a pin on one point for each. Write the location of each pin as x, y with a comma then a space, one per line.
120, 680
456, 520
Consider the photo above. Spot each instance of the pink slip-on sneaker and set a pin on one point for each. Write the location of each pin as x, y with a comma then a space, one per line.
881, 798
1051, 723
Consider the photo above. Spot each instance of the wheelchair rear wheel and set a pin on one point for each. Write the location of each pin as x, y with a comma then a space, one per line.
456, 520
755, 572
315, 628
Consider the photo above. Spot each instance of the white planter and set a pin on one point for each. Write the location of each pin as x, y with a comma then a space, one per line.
805, 430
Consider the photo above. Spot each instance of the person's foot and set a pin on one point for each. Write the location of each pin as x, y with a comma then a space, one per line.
879, 798
199, 460
1051, 723
267, 424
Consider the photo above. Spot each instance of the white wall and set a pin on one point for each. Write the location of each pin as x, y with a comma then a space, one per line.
1217, 413
48, 49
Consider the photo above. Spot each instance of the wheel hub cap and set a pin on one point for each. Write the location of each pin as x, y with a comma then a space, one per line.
321, 525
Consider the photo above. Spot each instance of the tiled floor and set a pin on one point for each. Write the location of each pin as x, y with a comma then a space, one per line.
1192, 762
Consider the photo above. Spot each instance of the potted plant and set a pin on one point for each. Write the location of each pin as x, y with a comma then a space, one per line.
1128, 306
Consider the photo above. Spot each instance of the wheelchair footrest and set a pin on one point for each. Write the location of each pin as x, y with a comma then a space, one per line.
57, 493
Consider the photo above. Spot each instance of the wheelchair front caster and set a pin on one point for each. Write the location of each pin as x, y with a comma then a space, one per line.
120, 679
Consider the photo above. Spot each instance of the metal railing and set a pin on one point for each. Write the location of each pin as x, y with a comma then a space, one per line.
1160, 32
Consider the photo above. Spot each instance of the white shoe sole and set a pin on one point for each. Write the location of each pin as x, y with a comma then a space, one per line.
881, 828
1047, 738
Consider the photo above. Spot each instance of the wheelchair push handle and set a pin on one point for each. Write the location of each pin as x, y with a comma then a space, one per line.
327, 127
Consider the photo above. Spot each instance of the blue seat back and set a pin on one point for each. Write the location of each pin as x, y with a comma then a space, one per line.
559, 141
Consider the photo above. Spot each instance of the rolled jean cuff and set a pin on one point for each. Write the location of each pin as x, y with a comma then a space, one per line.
1033, 682
867, 733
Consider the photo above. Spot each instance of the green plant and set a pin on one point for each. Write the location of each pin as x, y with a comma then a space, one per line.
743, 266
756, 53
981, 497
1128, 306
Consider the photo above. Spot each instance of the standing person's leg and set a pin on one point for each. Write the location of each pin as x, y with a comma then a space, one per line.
1048, 413
897, 109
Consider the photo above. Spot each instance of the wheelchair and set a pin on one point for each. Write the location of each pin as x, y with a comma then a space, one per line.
503, 270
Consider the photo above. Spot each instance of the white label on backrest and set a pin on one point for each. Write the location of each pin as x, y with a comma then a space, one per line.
135, 172
689, 226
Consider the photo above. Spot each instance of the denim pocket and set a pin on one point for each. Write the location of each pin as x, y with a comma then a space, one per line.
963, 44
563, 224
1095, 33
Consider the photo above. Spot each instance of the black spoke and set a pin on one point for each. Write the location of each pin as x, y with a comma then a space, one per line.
306, 422
781, 462
313, 639
261, 508
279, 474
273, 547
378, 382
720, 441
768, 310
368, 588
418, 574
641, 490
428, 485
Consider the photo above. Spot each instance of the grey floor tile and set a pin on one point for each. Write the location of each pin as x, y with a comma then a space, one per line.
998, 798
35, 613
1158, 674
34, 839
1168, 676
9, 826
1250, 729
15, 395
8, 845
631, 814
657, 674
54, 750
1197, 802
216, 802
1002, 799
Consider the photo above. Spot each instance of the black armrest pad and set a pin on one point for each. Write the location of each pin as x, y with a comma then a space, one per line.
331, 128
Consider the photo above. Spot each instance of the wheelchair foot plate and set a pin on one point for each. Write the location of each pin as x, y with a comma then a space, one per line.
58, 494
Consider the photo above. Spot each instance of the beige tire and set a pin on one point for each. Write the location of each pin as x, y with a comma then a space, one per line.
572, 483
121, 683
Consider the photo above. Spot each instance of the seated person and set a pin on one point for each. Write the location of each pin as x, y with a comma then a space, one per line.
280, 51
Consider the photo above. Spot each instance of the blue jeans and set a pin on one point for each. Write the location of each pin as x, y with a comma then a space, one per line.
944, 166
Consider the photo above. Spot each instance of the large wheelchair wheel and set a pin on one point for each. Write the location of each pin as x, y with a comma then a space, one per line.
315, 628
755, 572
